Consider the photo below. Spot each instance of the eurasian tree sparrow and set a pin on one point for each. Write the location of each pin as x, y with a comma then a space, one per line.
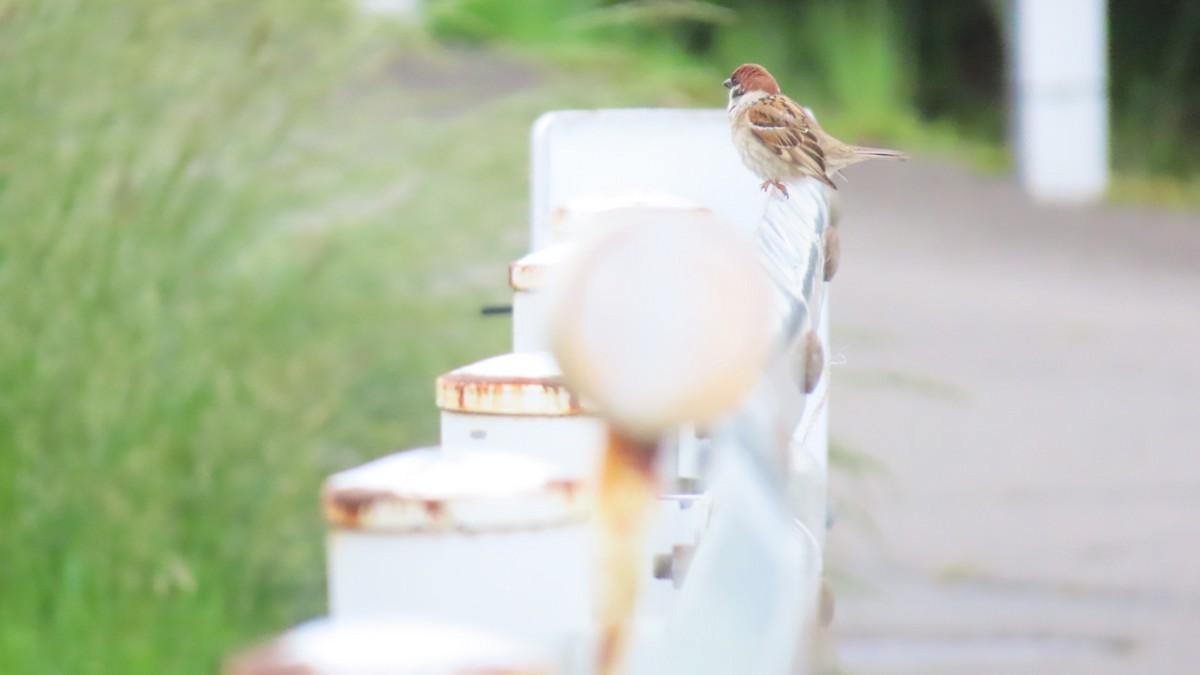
780, 141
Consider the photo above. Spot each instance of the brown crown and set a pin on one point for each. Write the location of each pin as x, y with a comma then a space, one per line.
754, 77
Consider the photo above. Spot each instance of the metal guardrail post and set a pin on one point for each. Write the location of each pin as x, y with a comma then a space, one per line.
521, 402
490, 539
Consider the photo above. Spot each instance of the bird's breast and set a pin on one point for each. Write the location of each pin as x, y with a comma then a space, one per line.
757, 156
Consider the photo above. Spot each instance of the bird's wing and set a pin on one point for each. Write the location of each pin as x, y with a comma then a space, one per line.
787, 130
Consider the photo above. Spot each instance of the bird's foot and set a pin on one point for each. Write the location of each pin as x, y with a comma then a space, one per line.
780, 186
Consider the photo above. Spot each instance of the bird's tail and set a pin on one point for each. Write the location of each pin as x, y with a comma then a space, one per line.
863, 152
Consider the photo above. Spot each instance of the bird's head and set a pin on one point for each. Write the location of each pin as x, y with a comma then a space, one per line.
750, 77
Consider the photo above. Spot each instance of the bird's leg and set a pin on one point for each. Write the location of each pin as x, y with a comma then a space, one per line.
782, 188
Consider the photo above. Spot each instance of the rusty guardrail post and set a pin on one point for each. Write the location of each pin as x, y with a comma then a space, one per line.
521, 402
486, 538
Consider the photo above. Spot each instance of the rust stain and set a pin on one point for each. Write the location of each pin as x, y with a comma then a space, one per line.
626, 491
507, 395
435, 509
609, 654
503, 380
574, 402
570, 489
350, 509
345, 507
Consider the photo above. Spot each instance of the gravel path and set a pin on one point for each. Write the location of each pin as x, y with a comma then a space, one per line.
1030, 377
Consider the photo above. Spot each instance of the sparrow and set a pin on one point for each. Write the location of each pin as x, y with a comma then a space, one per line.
779, 140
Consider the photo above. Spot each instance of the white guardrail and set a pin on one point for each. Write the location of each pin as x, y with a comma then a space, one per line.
639, 487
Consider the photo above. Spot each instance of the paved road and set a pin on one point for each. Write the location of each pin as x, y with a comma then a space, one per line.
1030, 377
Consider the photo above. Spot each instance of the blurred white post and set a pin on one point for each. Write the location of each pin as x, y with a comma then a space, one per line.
581, 155
1061, 98
466, 536
519, 402
397, 646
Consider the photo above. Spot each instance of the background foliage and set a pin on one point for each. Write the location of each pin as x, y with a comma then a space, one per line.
931, 74
217, 283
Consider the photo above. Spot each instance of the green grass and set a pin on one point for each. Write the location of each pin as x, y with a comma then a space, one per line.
182, 342
239, 241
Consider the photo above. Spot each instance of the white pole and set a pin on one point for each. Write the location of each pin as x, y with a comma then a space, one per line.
1061, 98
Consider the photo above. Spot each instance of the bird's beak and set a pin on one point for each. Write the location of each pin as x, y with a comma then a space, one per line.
728, 83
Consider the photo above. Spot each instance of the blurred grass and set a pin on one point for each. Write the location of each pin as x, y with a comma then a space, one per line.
239, 242
191, 327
